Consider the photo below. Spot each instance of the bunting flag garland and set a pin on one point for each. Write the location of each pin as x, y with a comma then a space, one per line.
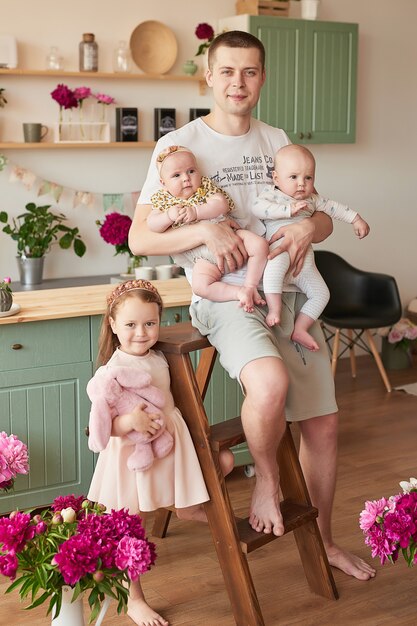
25, 176
113, 201
42, 187
83, 197
52, 189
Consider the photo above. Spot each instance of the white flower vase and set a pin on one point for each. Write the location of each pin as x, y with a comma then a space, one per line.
72, 613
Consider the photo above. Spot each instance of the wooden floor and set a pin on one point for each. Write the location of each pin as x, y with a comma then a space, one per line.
377, 443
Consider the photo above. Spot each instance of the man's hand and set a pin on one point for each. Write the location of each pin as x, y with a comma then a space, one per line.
295, 239
360, 227
225, 244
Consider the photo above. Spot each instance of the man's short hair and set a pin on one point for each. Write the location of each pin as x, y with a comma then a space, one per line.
236, 39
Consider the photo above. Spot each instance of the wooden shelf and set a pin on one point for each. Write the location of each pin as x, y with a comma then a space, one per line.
44, 145
199, 79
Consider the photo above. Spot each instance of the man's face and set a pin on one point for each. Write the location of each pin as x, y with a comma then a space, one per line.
236, 78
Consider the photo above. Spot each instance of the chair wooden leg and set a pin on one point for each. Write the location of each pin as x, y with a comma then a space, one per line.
161, 523
352, 353
309, 542
335, 353
378, 361
221, 519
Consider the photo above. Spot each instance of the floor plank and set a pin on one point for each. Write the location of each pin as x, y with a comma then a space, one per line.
377, 449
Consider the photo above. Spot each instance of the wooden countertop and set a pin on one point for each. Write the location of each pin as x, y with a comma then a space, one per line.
48, 304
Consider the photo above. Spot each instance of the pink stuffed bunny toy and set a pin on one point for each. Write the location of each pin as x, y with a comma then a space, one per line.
116, 390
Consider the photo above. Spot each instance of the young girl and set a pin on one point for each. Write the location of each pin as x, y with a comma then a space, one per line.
129, 330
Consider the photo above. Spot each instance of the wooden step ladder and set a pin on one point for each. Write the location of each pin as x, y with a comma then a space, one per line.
232, 538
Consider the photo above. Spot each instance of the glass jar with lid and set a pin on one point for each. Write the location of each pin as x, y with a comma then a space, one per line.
88, 52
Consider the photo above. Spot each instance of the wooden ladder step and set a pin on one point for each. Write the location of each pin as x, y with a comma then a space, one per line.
294, 515
227, 434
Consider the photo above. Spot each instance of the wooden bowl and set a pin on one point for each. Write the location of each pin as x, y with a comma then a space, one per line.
154, 47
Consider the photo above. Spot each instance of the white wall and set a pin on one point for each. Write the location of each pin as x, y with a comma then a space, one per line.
375, 175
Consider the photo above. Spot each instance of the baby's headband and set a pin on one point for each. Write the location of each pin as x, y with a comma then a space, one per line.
131, 285
167, 152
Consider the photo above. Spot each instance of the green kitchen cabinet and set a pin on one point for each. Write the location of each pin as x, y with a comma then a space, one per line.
44, 370
311, 76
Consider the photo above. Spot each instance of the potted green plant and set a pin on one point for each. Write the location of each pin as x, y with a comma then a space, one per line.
35, 232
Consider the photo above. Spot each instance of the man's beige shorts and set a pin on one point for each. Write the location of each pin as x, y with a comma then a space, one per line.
241, 337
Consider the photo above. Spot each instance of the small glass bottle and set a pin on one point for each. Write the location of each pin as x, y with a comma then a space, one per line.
122, 60
53, 59
88, 49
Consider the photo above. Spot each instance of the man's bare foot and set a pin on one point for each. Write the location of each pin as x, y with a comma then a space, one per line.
305, 339
141, 614
265, 514
272, 318
349, 563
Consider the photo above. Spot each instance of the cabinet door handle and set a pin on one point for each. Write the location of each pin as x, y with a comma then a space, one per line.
17, 346
309, 135
301, 135
86, 431
177, 318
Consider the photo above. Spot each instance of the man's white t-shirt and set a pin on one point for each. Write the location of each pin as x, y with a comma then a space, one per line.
241, 165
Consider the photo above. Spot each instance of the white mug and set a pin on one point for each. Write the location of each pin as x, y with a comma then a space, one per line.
144, 272
163, 272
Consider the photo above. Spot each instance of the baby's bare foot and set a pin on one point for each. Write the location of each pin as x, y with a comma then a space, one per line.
272, 319
245, 295
141, 614
305, 339
257, 298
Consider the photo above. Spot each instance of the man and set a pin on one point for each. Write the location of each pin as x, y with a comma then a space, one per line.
236, 152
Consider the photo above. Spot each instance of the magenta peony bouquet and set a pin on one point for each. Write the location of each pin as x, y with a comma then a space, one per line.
401, 334
13, 458
74, 543
390, 526
115, 230
204, 31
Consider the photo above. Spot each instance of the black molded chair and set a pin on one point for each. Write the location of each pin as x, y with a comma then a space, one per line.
359, 302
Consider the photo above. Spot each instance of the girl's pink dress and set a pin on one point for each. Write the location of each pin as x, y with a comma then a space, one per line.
175, 480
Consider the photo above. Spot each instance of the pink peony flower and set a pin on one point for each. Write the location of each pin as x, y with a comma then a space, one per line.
77, 557
411, 333
82, 93
65, 97
135, 555
9, 565
13, 458
15, 531
115, 230
373, 509
204, 31
64, 502
104, 99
